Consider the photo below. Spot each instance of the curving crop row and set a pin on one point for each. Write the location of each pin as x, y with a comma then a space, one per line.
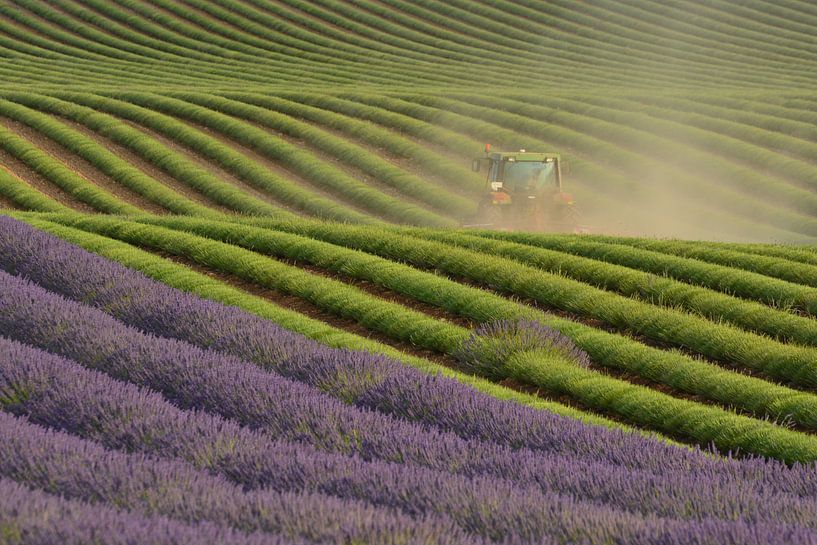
745, 284
414, 489
234, 162
57, 173
796, 273
742, 145
112, 416
108, 163
204, 46
52, 520
64, 42
253, 32
595, 136
633, 282
290, 156
380, 170
204, 286
79, 275
606, 349
175, 164
599, 176
795, 364
118, 411
26, 197
452, 173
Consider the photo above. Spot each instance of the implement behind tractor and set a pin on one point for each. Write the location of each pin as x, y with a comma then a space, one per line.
523, 191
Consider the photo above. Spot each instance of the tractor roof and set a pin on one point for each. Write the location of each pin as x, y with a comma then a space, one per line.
522, 156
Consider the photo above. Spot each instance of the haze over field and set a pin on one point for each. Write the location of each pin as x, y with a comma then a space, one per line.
685, 119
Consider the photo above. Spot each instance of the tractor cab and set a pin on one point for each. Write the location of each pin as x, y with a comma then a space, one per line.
523, 189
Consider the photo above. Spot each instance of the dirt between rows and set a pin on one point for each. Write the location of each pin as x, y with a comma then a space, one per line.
381, 292
19, 170
311, 310
79, 166
305, 307
147, 168
211, 167
308, 309
7, 204
276, 168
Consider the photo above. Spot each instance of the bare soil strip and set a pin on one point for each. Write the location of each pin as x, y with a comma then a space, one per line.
6, 204
81, 167
308, 309
275, 168
210, 166
24, 173
148, 168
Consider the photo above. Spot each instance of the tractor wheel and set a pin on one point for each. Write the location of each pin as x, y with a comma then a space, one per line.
489, 214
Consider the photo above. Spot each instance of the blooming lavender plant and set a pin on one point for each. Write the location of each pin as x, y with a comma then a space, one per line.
72, 467
54, 392
32, 517
367, 380
58, 393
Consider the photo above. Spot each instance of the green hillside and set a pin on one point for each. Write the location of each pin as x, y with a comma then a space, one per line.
676, 119
309, 162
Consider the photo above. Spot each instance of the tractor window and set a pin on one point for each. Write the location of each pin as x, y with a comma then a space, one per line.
529, 176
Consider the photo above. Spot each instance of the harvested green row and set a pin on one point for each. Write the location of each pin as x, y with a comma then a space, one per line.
181, 277
382, 171
26, 197
765, 437
597, 136
797, 273
171, 162
794, 364
479, 306
453, 173
658, 290
600, 177
748, 285
108, 163
63, 177
234, 162
302, 162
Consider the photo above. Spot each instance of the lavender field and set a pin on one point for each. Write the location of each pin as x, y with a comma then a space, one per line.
408, 272
135, 412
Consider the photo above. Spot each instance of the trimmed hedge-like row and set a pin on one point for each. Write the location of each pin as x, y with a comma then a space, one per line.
381, 171
23, 195
156, 153
183, 278
656, 257
635, 283
794, 364
108, 163
290, 156
756, 436
607, 349
63, 177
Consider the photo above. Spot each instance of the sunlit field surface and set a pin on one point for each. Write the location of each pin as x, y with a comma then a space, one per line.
248, 295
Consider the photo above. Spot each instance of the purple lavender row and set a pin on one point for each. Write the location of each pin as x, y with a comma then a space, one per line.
80, 469
52, 391
368, 380
199, 379
32, 517
57, 393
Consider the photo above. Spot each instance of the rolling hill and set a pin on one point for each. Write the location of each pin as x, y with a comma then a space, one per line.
241, 265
